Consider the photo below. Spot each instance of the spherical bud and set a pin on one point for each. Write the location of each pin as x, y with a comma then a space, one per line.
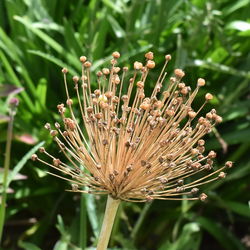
34, 157
116, 70
105, 71
47, 126
75, 79
211, 154
158, 104
125, 69
53, 133
166, 94
184, 91
179, 73
203, 197
102, 98
194, 151
87, 64
222, 175
150, 64
64, 70
229, 164
116, 54
113, 61
218, 119
137, 65
168, 57
208, 97
41, 149
170, 112
201, 142
89, 109
99, 73
109, 94
201, 82
192, 114
98, 116
194, 190
57, 125
97, 92
209, 116
103, 105
149, 55
140, 84
141, 95
145, 106
115, 99
69, 102
65, 133
83, 59
181, 85
116, 79
56, 162
125, 98
70, 124
163, 180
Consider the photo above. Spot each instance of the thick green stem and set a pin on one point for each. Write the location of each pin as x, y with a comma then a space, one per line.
107, 224
5, 174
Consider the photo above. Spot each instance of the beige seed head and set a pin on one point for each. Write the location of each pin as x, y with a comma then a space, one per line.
134, 146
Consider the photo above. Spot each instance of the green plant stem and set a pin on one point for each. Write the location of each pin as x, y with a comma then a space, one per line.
140, 220
107, 224
83, 224
5, 173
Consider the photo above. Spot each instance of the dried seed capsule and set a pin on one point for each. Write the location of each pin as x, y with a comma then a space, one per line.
34, 157
201, 82
116, 54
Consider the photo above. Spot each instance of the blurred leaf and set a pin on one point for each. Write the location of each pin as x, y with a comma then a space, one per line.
239, 25
53, 59
8, 89
189, 239
22, 162
224, 237
238, 208
28, 245
92, 214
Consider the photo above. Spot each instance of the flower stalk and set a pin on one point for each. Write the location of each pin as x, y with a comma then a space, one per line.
13, 104
108, 221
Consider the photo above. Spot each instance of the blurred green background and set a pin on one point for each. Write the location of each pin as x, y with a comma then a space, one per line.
208, 39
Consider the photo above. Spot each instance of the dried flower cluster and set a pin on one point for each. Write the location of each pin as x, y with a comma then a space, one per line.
133, 147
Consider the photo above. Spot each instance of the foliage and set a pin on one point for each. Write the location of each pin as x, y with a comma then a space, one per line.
208, 39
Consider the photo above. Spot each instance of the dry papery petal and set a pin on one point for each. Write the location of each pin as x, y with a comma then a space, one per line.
131, 146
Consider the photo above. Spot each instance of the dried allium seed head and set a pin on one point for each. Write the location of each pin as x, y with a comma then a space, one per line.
135, 148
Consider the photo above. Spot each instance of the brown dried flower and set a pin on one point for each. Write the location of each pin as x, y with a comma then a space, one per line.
133, 147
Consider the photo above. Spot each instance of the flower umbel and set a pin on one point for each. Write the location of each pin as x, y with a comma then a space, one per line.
133, 147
